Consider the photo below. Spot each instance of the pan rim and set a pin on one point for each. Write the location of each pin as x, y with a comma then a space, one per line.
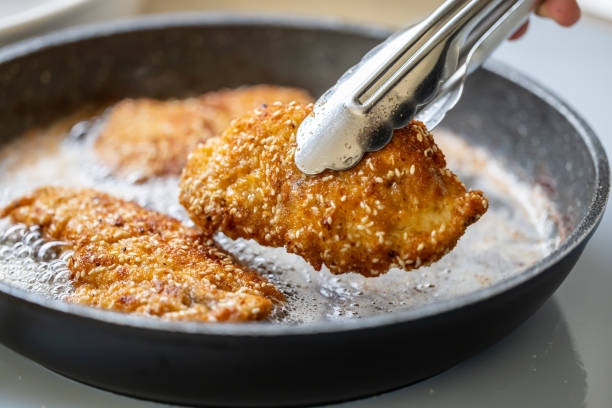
580, 233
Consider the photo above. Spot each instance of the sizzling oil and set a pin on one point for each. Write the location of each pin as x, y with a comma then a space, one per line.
516, 231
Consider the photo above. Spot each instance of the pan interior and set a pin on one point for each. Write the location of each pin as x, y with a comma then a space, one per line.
501, 138
517, 231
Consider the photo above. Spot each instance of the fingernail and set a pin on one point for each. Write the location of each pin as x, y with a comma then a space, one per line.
542, 11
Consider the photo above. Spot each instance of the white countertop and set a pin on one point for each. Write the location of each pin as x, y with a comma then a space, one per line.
561, 357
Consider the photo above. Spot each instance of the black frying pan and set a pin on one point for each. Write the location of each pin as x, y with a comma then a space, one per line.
266, 364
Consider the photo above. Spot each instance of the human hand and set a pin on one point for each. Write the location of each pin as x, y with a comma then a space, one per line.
564, 12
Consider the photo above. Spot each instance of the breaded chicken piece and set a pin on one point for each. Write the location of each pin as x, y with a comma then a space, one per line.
144, 138
398, 206
230, 104
130, 259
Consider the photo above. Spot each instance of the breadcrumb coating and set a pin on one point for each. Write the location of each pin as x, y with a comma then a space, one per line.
399, 206
230, 104
130, 259
145, 138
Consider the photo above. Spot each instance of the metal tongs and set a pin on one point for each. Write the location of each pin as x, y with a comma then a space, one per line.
417, 73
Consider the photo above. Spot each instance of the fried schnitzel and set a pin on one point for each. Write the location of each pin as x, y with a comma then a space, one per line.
144, 138
399, 206
130, 259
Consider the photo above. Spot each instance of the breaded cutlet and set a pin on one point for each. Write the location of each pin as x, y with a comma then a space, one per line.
130, 259
400, 206
145, 138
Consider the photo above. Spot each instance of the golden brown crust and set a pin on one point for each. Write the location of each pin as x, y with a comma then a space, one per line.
144, 138
398, 206
230, 104
131, 259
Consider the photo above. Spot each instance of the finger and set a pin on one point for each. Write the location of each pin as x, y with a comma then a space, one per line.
519, 33
564, 12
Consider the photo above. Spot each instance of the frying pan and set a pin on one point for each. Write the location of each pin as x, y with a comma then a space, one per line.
276, 364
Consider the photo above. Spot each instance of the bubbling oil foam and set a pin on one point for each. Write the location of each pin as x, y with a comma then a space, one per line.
516, 231
33, 263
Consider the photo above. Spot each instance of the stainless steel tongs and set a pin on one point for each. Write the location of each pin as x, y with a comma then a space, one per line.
416, 73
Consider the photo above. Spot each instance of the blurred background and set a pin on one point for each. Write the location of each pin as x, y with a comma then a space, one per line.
19, 18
